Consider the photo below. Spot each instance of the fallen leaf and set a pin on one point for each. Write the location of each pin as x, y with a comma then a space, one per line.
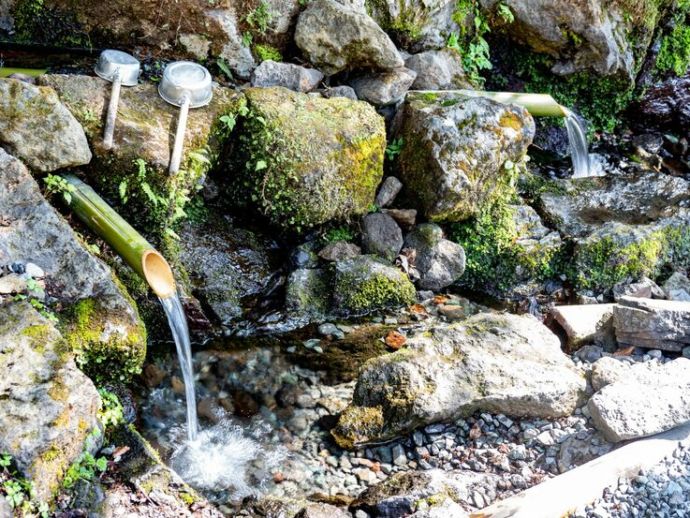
278, 477
475, 432
120, 452
395, 340
627, 351
418, 308
440, 299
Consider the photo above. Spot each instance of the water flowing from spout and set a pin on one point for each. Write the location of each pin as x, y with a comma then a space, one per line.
577, 139
180, 331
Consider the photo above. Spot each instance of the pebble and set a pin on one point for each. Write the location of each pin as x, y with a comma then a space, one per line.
329, 329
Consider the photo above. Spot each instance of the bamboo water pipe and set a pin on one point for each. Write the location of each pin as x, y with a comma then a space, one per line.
127, 242
539, 105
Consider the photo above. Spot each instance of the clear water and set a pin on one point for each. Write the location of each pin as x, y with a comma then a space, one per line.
577, 138
180, 331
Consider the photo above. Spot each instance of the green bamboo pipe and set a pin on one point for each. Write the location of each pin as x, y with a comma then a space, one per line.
32, 72
539, 105
132, 247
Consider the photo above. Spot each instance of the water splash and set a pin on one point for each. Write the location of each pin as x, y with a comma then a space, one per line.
180, 331
228, 461
577, 139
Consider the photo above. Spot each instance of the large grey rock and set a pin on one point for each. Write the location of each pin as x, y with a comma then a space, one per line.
454, 153
440, 262
437, 70
38, 129
384, 88
381, 235
106, 326
656, 324
632, 408
364, 284
586, 324
335, 38
48, 407
600, 29
677, 287
225, 265
401, 493
613, 369
491, 362
233, 51
339, 250
293, 77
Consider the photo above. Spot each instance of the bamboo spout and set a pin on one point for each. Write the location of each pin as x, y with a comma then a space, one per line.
539, 105
138, 253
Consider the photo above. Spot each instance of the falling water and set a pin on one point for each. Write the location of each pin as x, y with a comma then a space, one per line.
180, 331
577, 138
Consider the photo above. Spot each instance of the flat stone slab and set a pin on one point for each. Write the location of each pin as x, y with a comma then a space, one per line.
651, 323
586, 323
643, 401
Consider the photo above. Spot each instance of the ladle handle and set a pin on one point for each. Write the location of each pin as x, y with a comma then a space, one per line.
112, 112
176, 157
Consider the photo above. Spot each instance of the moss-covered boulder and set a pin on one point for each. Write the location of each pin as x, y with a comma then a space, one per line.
458, 152
450, 371
48, 407
134, 173
365, 283
307, 293
609, 37
302, 160
37, 128
100, 321
624, 226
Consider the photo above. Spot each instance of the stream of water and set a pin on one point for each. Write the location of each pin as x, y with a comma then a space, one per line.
577, 138
180, 331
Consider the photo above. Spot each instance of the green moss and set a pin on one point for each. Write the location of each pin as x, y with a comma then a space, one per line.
101, 354
51, 454
360, 290
186, 498
267, 52
674, 54
602, 263
38, 335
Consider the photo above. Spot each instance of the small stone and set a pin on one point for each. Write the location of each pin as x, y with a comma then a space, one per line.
399, 456
329, 329
384, 88
177, 385
339, 250
388, 190
294, 77
340, 91
406, 218
33, 270
381, 235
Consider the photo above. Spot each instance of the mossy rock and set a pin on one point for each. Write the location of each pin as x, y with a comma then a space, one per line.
303, 160
107, 345
133, 175
364, 284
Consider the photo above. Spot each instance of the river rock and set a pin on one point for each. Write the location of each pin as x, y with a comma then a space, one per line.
293, 77
339, 250
586, 324
389, 189
364, 284
305, 160
601, 29
307, 293
38, 129
666, 105
677, 287
334, 38
340, 91
440, 262
632, 408
454, 153
400, 494
384, 88
102, 324
48, 407
499, 363
381, 236
645, 288
437, 70
144, 132
655, 324
225, 265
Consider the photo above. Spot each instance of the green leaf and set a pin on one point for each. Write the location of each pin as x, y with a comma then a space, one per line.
260, 165
149, 193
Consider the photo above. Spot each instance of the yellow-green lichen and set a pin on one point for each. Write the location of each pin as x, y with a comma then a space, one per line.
357, 424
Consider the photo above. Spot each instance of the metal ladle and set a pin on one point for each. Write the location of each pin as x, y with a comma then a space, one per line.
120, 69
187, 85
